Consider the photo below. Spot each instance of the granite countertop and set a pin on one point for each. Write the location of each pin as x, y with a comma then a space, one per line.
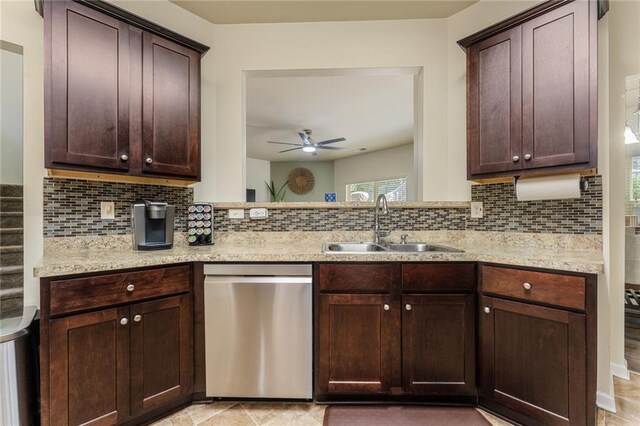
578, 254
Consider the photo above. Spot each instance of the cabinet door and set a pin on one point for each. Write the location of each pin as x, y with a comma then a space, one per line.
89, 368
438, 344
533, 359
556, 76
88, 89
495, 104
170, 108
358, 344
161, 352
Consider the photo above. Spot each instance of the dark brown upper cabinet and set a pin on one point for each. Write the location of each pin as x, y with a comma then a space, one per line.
122, 95
532, 92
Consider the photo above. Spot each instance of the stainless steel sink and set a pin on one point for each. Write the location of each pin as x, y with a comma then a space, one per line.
369, 247
353, 248
420, 248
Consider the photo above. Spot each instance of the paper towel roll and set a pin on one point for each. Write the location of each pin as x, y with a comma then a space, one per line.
548, 187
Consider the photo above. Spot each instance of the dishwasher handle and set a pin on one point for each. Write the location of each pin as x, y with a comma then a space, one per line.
226, 279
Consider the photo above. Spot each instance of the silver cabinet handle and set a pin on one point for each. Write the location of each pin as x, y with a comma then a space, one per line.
527, 286
386, 307
527, 157
131, 287
487, 309
137, 318
407, 307
124, 321
515, 158
124, 157
149, 160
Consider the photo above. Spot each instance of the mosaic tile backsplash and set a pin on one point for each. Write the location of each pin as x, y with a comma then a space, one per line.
72, 208
503, 212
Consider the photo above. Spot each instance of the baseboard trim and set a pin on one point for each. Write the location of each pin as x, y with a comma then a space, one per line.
620, 370
606, 401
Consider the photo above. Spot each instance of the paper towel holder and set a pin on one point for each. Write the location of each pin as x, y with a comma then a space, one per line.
584, 185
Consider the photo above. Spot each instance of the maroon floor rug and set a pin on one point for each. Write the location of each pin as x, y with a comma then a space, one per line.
402, 415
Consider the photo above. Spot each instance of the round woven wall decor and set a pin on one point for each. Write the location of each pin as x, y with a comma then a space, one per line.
301, 180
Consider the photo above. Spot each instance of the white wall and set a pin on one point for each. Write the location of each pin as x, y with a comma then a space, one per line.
420, 43
259, 172
385, 164
322, 172
11, 111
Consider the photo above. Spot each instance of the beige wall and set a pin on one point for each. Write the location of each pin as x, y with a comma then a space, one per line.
417, 43
385, 164
624, 61
11, 110
259, 172
322, 173
21, 25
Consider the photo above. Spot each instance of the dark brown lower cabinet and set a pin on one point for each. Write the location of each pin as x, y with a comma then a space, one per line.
358, 344
112, 365
89, 368
161, 352
375, 342
533, 360
438, 344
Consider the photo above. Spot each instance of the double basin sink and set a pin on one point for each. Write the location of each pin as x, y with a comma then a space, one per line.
371, 247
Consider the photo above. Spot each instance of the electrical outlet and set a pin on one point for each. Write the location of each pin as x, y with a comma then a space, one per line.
476, 210
258, 213
236, 213
107, 210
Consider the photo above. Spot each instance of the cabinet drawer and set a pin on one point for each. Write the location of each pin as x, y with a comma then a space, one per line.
370, 277
104, 290
438, 277
562, 290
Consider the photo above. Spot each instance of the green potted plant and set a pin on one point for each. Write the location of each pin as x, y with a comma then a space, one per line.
279, 195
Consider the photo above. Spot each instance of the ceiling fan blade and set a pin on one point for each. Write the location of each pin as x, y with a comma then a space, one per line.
287, 150
328, 141
332, 148
284, 143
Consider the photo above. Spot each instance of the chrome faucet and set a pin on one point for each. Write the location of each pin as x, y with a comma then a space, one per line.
377, 233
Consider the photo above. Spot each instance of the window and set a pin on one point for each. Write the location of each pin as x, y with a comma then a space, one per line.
634, 179
394, 189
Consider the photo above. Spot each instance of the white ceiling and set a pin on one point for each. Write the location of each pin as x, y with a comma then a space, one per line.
373, 112
269, 11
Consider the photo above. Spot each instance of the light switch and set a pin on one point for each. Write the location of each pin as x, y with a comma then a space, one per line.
260, 213
236, 213
107, 210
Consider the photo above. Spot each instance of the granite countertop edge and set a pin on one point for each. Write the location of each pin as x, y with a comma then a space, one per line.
72, 263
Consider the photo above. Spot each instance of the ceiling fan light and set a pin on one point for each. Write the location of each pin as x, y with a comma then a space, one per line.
309, 149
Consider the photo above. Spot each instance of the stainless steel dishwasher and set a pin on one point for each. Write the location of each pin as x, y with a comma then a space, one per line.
258, 331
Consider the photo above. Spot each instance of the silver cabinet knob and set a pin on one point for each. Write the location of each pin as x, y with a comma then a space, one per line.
527, 157
124, 157
137, 318
131, 287
527, 286
386, 307
515, 158
407, 307
149, 160
124, 321
487, 309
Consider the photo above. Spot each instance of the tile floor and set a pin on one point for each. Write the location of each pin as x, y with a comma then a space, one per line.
244, 413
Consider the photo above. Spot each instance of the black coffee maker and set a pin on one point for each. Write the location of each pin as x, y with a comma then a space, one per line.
152, 223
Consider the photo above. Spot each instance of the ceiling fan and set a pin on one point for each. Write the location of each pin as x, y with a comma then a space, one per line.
309, 145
